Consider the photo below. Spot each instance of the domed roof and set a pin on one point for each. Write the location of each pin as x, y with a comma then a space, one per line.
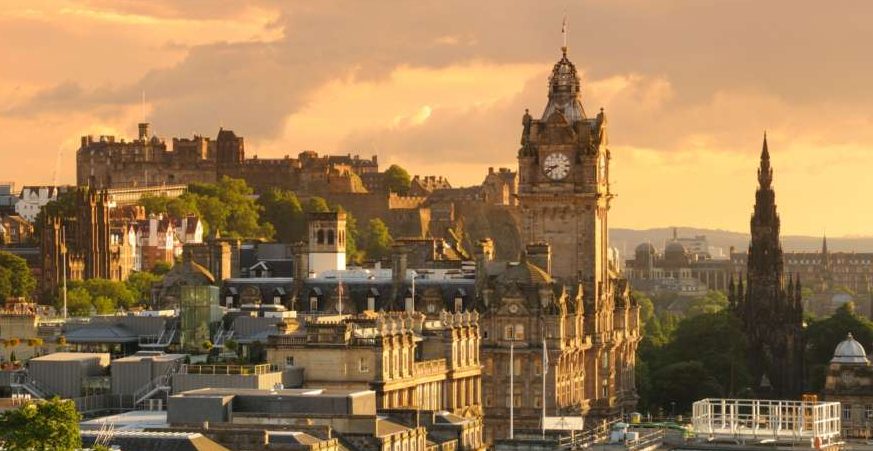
564, 87
645, 248
674, 247
850, 351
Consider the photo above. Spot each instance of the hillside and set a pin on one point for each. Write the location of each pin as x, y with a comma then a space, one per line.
625, 240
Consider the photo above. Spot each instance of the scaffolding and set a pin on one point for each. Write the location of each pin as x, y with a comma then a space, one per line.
768, 421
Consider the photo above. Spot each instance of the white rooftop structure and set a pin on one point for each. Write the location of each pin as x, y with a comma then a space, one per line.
850, 351
760, 421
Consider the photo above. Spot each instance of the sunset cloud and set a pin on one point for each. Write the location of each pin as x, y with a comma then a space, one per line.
688, 87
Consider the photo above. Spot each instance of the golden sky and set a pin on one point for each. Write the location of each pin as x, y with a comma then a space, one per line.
689, 86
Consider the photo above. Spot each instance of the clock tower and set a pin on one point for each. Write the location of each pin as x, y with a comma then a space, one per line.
563, 167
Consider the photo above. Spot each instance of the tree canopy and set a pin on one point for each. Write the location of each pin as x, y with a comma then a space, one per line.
397, 180
41, 425
822, 337
377, 239
15, 277
227, 206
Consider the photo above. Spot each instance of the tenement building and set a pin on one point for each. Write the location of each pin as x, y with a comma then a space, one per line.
769, 306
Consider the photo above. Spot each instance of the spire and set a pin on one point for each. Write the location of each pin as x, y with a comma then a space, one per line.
564, 36
564, 87
765, 172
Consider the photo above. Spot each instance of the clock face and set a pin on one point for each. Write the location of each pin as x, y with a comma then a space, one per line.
556, 166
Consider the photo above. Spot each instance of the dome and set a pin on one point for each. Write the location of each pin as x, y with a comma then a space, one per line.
674, 248
850, 351
644, 248
564, 87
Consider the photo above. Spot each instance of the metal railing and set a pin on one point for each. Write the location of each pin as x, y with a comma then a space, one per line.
22, 380
245, 370
778, 420
158, 341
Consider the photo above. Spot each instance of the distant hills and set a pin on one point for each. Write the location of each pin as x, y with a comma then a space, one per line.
720, 241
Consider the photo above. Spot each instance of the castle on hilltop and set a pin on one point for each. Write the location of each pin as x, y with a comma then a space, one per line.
106, 162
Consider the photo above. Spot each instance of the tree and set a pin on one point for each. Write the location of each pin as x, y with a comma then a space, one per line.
822, 337
41, 425
712, 302
141, 284
103, 305
316, 204
161, 267
397, 180
78, 302
283, 210
18, 279
378, 240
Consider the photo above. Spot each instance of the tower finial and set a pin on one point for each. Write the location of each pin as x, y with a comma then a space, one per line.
564, 35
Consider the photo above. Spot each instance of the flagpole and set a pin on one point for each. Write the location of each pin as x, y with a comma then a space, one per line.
512, 387
545, 370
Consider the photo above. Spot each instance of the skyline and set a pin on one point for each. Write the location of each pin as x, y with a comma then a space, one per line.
688, 88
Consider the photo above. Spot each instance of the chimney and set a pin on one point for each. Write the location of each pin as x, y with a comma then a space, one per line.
143, 131
540, 254
398, 264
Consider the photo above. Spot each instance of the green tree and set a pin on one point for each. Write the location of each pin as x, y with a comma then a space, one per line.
41, 425
316, 204
712, 302
78, 302
682, 383
141, 284
823, 336
119, 292
397, 180
283, 210
377, 239
103, 305
20, 281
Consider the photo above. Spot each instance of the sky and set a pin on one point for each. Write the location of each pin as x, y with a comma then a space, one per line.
440, 87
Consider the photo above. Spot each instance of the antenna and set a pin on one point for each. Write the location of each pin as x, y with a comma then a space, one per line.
564, 31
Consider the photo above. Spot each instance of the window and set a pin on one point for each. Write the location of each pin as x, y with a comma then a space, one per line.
507, 332
517, 366
320, 237
538, 366
363, 365
488, 401
277, 300
489, 366
289, 360
847, 412
371, 303
519, 331
459, 304
868, 411
538, 402
313, 304
330, 236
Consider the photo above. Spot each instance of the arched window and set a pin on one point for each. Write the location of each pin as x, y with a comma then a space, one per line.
330, 236
320, 236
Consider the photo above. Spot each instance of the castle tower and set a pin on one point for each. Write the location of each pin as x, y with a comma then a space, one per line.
230, 149
327, 241
771, 312
143, 131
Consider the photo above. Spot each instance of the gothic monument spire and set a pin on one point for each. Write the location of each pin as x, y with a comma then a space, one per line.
772, 313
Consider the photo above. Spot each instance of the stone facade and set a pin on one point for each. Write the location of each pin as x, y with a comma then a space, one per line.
409, 361
770, 307
88, 242
849, 381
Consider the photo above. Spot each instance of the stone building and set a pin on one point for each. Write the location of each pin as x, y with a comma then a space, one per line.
849, 381
500, 187
412, 363
770, 307
109, 163
88, 242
